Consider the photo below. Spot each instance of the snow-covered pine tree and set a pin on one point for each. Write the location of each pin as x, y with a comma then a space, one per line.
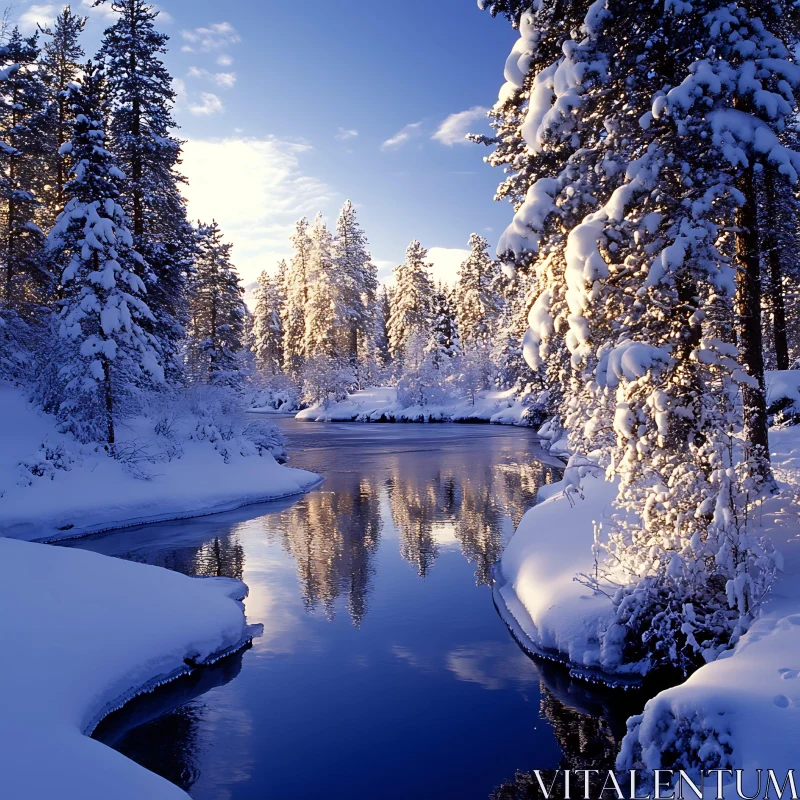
383, 310
476, 304
141, 98
109, 353
324, 289
59, 65
217, 312
626, 219
412, 300
296, 297
267, 331
443, 344
28, 281
358, 278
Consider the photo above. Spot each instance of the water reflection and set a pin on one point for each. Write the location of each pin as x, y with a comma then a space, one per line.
384, 670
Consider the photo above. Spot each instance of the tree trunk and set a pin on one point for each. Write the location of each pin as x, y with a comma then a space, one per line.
748, 319
777, 303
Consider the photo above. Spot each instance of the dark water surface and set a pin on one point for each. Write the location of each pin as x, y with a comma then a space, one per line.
384, 670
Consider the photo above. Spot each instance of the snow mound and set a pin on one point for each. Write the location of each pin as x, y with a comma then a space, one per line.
742, 710
381, 405
53, 487
552, 614
82, 633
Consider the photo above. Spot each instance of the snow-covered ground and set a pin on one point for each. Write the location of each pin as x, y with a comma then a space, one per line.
743, 710
53, 487
82, 633
381, 405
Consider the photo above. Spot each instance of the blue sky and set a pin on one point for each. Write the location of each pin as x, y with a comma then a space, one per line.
293, 107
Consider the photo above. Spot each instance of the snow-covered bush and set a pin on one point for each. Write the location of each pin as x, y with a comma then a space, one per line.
275, 391
325, 380
44, 462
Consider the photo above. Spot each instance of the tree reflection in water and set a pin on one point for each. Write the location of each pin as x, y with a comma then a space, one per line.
588, 723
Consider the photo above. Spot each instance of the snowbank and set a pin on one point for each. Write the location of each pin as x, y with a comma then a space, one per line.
53, 487
551, 614
742, 710
83, 633
381, 405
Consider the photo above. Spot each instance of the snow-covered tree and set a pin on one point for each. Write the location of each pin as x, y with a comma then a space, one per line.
323, 287
412, 299
103, 313
267, 331
217, 312
358, 282
141, 98
295, 290
59, 64
27, 277
443, 344
630, 215
475, 302
383, 310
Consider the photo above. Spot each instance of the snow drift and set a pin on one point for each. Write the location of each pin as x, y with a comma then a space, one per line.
82, 633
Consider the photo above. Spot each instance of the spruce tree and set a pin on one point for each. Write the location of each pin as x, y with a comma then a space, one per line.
59, 64
443, 345
357, 277
476, 304
267, 331
324, 294
109, 354
141, 98
217, 312
28, 279
412, 300
296, 297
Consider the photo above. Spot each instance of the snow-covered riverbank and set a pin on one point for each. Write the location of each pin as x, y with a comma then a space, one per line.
743, 707
81, 634
381, 405
52, 487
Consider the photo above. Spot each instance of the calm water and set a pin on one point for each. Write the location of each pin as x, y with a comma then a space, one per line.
384, 670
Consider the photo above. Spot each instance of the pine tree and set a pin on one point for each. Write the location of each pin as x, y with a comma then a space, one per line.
324, 292
383, 310
28, 279
59, 64
358, 280
103, 311
476, 304
443, 345
296, 297
267, 331
639, 163
217, 312
412, 300
141, 98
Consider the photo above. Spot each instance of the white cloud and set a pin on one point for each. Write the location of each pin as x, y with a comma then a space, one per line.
410, 131
209, 104
256, 189
224, 61
346, 133
37, 15
455, 128
104, 11
224, 79
216, 36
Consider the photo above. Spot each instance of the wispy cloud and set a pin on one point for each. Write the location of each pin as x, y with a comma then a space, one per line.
224, 79
209, 104
346, 133
224, 60
256, 190
216, 36
410, 131
455, 128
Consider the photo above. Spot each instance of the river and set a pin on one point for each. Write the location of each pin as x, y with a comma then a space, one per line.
384, 670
